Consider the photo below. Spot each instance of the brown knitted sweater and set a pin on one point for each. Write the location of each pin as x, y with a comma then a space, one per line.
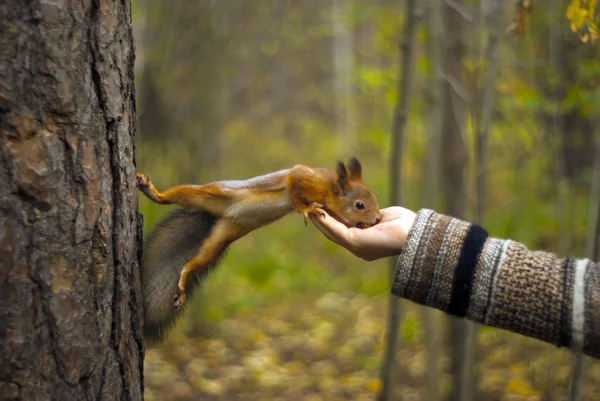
453, 266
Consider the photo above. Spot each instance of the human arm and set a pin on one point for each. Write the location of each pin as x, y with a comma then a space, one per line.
454, 266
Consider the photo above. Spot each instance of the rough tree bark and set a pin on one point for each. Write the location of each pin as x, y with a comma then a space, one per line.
69, 279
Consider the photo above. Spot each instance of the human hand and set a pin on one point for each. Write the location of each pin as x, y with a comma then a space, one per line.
383, 239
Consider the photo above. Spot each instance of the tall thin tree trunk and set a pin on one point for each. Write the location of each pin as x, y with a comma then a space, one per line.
280, 85
557, 136
488, 93
487, 107
477, 53
592, 251
454, 162
592, 246
70, 302
408, 50
431, 181
559, 132
343, 64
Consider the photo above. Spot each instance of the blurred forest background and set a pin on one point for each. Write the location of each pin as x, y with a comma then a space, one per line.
502, 120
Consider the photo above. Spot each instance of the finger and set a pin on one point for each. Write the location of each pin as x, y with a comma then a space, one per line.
327, 225
331, 228
317, 221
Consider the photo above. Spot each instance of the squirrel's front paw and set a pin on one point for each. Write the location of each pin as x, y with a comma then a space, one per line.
315, 208
179, 299
143, 181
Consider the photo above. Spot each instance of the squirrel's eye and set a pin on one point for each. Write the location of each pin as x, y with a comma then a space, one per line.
360, 205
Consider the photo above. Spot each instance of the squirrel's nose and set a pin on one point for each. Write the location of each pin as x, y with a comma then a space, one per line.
378, 218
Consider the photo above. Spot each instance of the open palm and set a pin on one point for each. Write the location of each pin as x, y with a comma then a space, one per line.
383, 239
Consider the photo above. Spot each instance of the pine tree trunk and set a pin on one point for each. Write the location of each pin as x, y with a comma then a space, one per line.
69, 277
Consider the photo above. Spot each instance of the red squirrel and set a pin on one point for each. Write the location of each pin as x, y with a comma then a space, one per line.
191, 240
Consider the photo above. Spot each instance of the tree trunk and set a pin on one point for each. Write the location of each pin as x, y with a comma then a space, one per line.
487, 98
432, 182
408, 49
69, 279
454, 163
592, 252
343, 64
592, 246
487, 107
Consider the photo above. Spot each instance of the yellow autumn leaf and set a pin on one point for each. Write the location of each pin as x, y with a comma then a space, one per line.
374, 385
520, 387
582, 15
572, 10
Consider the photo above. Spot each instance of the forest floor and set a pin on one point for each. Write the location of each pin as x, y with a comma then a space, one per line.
330, 348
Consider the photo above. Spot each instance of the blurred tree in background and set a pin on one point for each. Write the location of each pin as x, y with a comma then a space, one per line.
232, 89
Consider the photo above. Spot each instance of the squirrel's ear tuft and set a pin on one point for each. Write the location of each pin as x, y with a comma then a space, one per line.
354, 169
342, 177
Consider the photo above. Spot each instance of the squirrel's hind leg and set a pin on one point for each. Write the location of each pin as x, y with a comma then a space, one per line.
222, 234
211, 197
145, 185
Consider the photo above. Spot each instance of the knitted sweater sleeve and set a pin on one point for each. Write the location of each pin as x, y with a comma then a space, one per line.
454, 266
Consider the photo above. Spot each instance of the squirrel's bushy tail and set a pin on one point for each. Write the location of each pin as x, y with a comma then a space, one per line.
172, 243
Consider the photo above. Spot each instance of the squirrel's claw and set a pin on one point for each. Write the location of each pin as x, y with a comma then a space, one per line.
179, 299
315, 208
143, 181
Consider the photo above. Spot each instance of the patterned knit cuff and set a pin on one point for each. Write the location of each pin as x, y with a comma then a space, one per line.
409, 253
437, 265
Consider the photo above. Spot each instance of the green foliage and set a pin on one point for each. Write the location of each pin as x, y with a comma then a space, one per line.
410, 329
